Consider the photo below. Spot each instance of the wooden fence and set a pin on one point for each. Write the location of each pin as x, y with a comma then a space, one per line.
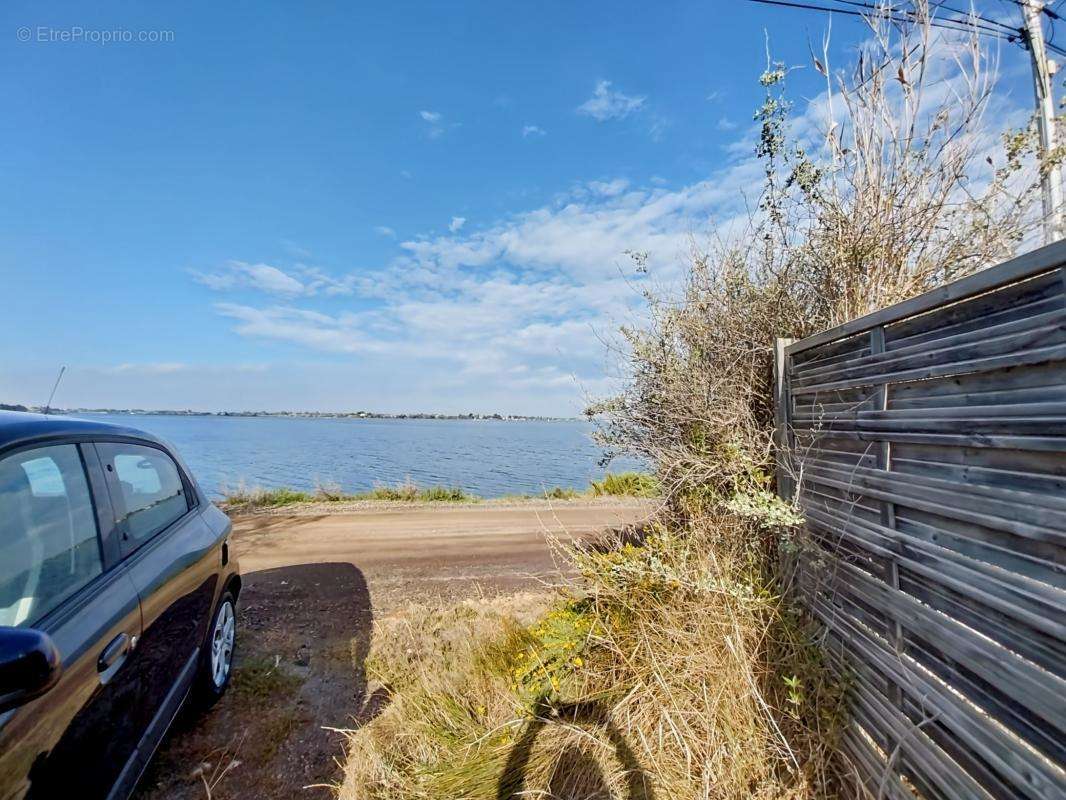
927, 445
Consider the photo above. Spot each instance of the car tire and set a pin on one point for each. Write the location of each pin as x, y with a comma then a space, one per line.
216, 664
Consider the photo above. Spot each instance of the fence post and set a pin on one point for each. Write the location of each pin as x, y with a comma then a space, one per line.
786, 485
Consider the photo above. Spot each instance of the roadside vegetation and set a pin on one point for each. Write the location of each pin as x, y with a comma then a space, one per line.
626, 484
675, 666
246, 500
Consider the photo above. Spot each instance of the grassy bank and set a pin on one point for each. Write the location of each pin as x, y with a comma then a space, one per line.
671, 669
244, 500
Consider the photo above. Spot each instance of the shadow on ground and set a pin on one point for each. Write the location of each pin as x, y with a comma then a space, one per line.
304, 633
576, 774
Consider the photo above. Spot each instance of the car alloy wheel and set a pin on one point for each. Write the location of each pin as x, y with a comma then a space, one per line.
222, 639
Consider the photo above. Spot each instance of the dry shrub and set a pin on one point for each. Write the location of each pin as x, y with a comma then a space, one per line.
662, 675
899, 187
443, 693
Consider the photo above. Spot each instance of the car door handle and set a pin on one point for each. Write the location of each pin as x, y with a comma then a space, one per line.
115, 649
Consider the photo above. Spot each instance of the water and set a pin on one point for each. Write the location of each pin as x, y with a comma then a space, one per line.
485, 457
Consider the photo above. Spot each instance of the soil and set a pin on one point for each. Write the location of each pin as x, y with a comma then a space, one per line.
313, 583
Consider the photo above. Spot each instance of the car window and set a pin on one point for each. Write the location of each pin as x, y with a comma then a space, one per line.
48, 543
152, 495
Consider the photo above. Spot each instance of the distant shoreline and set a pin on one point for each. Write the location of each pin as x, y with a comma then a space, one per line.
140, 412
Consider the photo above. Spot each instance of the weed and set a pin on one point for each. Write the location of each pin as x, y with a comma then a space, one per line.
263, 679
626, 484
244, 499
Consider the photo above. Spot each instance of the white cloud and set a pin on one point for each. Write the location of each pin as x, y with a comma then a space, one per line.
295, 250
385, 230
155, 368
300, 280
405, 173
263, 277
608, 104
219, 281
456, 224
271, 279
725, 124
533, 130
609, 188
658, 127
436, 125
516, 309
713, 96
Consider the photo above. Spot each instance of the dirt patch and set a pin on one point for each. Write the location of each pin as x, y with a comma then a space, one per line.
313, 585
305, 631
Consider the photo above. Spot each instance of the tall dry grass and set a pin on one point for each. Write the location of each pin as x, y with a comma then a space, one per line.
669, 671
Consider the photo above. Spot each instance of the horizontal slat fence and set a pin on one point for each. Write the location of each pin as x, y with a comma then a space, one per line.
926, 446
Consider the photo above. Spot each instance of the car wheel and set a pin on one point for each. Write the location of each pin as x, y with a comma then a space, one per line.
216, 667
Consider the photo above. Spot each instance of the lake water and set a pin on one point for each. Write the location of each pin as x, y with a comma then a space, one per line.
486, 457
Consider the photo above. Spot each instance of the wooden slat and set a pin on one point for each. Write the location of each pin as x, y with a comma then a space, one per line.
930, 438
1030, 561
1024, 266
1033, 482
917, 486
1026, 298
1029, 772
1022, 396
1050, 444
920, 753
949, 353
1020, 356
921, 714
995, 382
1030, 602
1039, 524
1028, 619
1030, 331
1040, 693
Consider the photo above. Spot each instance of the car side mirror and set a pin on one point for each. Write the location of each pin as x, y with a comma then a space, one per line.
29, 666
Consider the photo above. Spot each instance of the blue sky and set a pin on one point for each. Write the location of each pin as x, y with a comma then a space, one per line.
389, 206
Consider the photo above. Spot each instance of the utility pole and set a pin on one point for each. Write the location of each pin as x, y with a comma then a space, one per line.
1043, 70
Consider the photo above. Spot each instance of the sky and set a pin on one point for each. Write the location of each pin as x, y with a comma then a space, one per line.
393, 207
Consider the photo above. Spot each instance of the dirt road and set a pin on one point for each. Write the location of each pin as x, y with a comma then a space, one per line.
428, 550
313, 584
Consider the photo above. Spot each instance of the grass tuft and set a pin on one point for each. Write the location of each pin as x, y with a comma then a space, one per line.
671, 667
245, 500
408, 492
626, 484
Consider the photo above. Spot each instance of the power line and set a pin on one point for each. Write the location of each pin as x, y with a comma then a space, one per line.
952, 25
1031, 37
983, 26
959, 11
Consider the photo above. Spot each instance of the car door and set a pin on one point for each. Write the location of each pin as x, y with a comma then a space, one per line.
59, 572
173, 560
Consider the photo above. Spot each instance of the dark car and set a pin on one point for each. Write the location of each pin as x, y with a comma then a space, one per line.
117, 603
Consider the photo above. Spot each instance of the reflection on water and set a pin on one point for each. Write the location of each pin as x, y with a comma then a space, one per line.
485, 457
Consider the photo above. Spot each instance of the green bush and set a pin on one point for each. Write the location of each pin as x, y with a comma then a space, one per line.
561, 493
248, 499
626, 484
444, 494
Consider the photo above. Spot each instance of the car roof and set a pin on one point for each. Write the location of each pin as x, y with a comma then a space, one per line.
21, 426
